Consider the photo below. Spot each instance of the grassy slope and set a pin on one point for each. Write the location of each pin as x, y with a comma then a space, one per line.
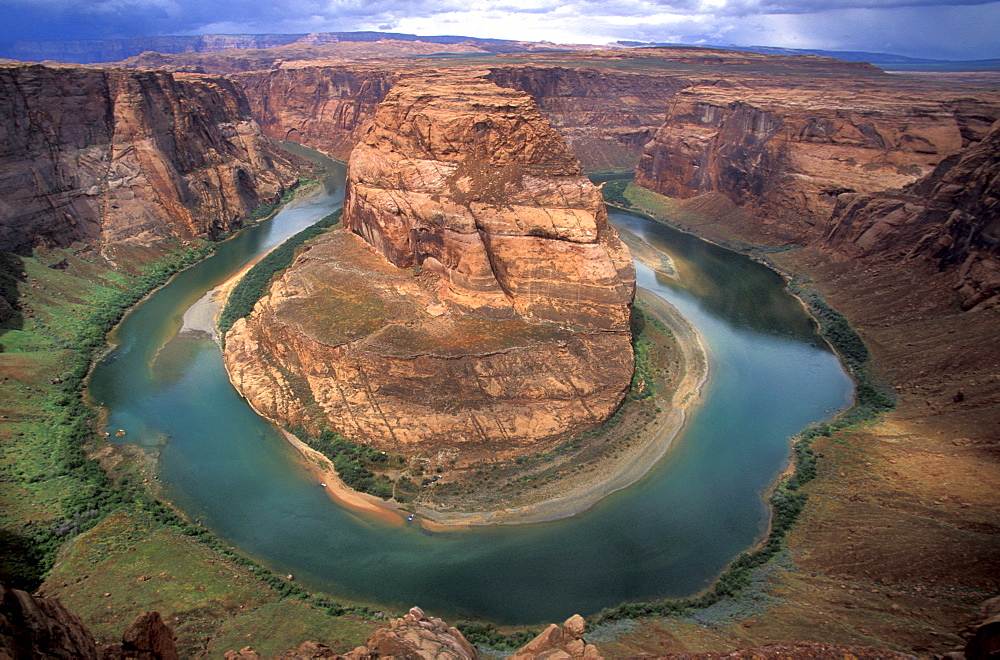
132, 556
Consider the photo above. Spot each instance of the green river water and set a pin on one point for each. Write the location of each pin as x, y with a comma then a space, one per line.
667, 535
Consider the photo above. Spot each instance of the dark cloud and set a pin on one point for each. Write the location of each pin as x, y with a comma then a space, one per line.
937, 28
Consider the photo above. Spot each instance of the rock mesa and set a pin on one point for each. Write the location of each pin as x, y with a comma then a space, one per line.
478, 302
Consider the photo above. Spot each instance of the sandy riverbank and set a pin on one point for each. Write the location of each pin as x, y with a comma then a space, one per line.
569, 495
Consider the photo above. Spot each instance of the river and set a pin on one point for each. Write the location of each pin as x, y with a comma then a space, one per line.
667, 535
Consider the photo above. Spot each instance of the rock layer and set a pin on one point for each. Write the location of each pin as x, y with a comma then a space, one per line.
322, 107
787, 154
468, 179
500, 323
951, 217
107, 155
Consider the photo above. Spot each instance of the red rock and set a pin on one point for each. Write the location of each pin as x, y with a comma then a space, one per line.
500, 322
108, 156
36, 627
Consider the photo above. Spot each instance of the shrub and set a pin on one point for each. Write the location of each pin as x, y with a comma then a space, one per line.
251, 287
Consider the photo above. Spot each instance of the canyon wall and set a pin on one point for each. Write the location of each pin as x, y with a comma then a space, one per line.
108, 156
951, 217
605, 116
321, 107
486, 311
786, 155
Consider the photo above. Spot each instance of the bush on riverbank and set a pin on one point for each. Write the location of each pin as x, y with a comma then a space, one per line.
614, 193
351, 461
479, 633
69, 428
252, 285
54, 455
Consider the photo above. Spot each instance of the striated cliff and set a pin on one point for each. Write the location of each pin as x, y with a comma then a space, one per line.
786, 154
485, 312
107, 156
322, 107
950, 217
605, 116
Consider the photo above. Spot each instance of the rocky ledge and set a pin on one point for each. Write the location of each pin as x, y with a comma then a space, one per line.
478, 303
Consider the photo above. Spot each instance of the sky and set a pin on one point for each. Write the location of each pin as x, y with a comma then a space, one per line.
937, 29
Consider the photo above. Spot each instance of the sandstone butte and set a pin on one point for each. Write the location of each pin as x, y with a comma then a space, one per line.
110, 157
478, 301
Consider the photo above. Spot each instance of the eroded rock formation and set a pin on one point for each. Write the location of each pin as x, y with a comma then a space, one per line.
951, 216
786, 155
105, 156
36, 627
485, 313
563, 642
39, 627
323, 107
468, 179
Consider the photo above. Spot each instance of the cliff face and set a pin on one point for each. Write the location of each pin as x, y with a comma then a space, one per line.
951, 217
105, 156
36, 627
468, 179
492, 316
322, 107
787, 154
605, 116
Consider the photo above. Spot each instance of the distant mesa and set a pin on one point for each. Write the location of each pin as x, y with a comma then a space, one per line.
478, 299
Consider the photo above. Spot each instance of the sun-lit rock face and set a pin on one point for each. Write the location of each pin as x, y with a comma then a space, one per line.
469, 180
786, 154
478, 301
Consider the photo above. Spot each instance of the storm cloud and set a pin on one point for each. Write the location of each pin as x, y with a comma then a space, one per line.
959, 29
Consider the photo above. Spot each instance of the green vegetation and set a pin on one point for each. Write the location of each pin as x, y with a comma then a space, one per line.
486, 634
352, 461
642, 378
871, 396
87, 493
614, 193
252, 286
59, 306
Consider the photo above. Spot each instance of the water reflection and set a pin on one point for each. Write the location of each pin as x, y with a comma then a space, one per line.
737, 289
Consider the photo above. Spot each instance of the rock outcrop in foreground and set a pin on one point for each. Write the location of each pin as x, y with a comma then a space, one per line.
486, 310
39, 627
105, 155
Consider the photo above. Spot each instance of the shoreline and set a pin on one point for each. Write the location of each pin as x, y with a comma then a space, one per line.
569, 496
577, 494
